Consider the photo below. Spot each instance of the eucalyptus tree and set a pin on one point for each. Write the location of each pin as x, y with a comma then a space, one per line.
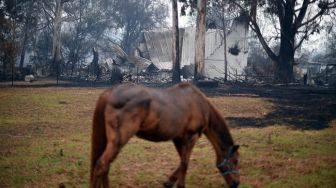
331, 37
12, 14
84, 27
53, 11
136, 16
30, 24
175, 48
200, 6
293, 22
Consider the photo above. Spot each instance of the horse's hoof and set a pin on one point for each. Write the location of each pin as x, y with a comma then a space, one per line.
168, 184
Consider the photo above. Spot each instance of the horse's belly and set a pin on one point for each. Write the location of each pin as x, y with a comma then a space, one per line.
154, 136
161, 128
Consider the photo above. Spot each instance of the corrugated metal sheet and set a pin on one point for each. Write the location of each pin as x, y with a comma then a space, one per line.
159, 46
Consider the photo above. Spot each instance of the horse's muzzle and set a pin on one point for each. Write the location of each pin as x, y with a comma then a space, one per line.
234, 184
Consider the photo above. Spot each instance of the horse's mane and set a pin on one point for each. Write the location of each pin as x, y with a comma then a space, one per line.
219, 125
216, 120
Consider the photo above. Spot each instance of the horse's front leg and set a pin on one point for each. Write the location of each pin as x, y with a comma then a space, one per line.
184, 147
172, 179
187, 147
174, 176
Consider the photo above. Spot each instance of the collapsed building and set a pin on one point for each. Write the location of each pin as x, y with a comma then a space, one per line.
321, 72
156, 46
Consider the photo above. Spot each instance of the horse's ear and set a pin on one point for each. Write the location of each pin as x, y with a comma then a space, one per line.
235, 148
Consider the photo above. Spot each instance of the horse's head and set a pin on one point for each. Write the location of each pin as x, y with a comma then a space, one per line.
229, 167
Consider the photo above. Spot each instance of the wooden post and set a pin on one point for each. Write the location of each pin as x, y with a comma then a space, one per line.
137, 73
236, 75
13, 48
57, 73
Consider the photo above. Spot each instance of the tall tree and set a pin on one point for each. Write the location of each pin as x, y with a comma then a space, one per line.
30, 20
200, 40
10, 19
331, 33
223, 4
136, 16
86, 23
294, 21
56, 50
175, 48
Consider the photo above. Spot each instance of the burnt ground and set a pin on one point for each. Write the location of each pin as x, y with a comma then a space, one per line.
299, 107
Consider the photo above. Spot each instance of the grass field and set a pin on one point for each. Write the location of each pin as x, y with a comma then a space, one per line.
287, 140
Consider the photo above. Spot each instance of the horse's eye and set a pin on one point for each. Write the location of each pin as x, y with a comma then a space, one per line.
235, 162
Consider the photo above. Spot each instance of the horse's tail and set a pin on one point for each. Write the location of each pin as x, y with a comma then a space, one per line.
98, 139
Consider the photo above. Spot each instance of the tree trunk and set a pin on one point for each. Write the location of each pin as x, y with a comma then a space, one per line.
56, 51
284, 70
200, 40
25, 37
95, 64
225, 56
285, 59
284, 64
13, 52
225, 46
175, 48
23, 49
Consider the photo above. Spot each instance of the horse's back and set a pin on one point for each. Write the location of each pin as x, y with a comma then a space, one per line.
173, 112
178, 110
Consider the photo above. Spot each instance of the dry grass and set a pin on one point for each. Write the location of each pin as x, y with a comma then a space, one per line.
45, 141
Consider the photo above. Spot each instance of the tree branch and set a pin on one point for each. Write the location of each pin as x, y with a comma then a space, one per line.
302, 14
279, 4
255, 27
326, 7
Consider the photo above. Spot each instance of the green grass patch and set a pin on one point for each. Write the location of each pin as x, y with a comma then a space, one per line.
45, 141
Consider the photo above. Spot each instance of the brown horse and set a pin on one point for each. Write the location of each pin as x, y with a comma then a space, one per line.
180, 113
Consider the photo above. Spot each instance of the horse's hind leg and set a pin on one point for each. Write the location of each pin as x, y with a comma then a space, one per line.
102, 165
184, 147
117, 137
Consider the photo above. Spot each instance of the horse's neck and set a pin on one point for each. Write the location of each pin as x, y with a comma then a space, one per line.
219, 133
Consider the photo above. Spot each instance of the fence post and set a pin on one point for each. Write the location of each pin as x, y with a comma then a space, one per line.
137, 73
236, 75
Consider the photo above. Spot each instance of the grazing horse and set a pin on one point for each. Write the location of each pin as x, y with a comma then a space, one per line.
180, 113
